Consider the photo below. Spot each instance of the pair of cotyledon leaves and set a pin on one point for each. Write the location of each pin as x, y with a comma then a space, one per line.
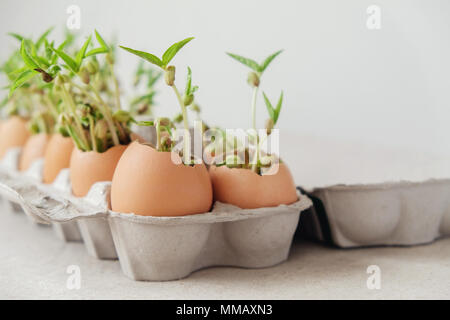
274, 112
166, 57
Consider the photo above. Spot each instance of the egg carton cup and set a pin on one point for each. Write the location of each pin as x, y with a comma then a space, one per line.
10, 162
169, 248
19, 189
397, 213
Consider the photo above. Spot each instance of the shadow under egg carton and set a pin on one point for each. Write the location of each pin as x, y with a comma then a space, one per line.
10, 175
397, 213
170, 248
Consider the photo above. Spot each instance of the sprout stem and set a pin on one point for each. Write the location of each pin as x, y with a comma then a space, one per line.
103, 109
107, 116
69, 101
187, 145
51, 105
255, 94
92, 132
75, 137
116, 85
256, 156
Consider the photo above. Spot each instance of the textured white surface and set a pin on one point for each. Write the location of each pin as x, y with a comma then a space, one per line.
33, 265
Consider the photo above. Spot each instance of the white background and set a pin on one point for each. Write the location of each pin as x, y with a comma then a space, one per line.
386, 87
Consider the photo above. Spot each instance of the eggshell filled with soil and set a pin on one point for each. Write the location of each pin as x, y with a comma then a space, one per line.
34, 149
13, 133
248, 190
87, 168
148, 182
57, 156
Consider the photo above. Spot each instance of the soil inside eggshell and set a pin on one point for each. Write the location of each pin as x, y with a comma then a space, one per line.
13, 133
147, 182
34, 149
248, 190
57, 156
87, 168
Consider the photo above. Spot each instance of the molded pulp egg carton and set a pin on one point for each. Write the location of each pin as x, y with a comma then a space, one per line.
9, 172
168, 248
227, 236
398, 213
9, 163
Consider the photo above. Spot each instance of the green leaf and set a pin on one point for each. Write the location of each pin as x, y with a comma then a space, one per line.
270, 109
101, 41
14, 73
81, 54
15, 35
29, 45
68, 60
29, 61
60, 48
21, 79
43, 37
278, 108
96, 51
43, 61
53, 70
173, 49
146, 56
252, 64
145, 123
48, 49
62, 45
268, 60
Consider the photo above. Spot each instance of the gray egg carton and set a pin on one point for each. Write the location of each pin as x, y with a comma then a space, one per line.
10, 162
9, 172
396, 213
162, 248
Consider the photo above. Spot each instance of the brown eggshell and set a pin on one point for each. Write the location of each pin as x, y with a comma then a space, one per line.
57, 156
13, 133
147, 182
248, 190
34, 149
87, 168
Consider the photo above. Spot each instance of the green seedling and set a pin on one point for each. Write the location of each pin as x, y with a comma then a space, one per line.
185, 100
31, 98
80, 82
254, 80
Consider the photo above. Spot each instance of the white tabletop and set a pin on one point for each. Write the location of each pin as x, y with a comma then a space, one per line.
33, 265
